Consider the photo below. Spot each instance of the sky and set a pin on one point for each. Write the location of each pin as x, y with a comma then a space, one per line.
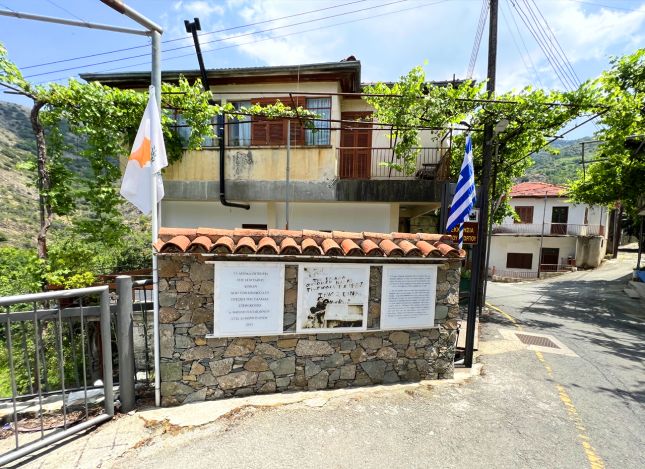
389, 37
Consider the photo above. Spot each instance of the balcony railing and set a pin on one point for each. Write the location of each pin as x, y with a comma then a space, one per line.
495, 273
369, 163
550, 229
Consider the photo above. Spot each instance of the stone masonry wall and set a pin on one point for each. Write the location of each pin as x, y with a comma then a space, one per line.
196, 368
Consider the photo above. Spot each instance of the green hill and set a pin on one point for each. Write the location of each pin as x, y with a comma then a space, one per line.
19, 207
560, 168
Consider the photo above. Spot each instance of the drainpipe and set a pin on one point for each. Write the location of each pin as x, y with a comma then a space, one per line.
193, 28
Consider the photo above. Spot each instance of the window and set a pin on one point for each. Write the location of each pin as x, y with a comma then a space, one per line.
184, 131
273, 132
517, 260
320, 135
239, 127
254, 226
525, 213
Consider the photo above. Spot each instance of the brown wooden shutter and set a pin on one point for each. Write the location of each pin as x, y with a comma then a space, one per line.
525, 213
519, 260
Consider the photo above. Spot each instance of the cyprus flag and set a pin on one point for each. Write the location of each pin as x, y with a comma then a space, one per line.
148, 157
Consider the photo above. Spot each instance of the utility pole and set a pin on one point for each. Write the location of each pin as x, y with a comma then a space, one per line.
479, 253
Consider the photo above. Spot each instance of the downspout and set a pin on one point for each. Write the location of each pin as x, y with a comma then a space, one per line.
193, 28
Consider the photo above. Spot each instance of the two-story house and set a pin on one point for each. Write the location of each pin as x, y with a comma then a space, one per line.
328, 179
550, 234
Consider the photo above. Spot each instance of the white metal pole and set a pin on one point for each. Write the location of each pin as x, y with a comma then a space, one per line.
156, 83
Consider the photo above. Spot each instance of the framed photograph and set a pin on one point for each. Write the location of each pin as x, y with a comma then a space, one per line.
332, 298
249, 299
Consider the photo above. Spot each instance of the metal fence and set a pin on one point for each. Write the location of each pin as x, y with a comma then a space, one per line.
43, 331
550, 229
57, 361
497, 274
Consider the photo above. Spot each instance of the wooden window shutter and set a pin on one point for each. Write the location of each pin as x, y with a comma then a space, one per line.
525, 213
519, 260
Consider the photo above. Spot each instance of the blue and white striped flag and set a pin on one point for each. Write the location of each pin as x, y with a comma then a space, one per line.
464, 199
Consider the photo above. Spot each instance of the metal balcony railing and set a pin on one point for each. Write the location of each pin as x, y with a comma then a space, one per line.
370, 163
550, 229
495, 273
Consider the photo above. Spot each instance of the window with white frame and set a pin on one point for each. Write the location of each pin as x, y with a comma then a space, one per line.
239, 127
320, 134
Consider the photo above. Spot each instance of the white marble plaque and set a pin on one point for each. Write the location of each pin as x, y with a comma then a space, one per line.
249, 298
408, 296
332, 298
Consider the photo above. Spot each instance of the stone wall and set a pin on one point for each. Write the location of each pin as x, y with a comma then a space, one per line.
195, 368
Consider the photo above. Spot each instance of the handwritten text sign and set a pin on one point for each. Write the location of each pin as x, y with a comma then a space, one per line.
332, 297
249, 298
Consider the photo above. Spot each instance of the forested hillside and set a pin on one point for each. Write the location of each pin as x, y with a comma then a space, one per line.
560, 168
18, 199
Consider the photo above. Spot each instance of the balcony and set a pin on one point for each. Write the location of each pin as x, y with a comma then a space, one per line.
549, 229
369, 164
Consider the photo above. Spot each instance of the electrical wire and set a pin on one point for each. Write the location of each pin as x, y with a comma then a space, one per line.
166, 59
220, 39
125, 49
483, 14
515, 42
526, 49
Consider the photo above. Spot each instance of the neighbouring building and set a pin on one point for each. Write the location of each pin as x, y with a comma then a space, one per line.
331, 179
550, 234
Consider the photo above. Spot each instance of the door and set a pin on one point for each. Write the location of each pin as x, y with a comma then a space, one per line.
549, 259
559, 218
355, 146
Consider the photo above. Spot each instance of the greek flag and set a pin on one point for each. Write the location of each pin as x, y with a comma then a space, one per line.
464, 199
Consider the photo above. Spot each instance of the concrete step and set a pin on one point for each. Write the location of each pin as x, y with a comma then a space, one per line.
637, 287
630, 292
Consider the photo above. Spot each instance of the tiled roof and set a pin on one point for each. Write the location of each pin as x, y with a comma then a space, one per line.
536, 189
305, 242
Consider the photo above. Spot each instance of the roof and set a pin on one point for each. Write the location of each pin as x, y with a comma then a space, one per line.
536, 189
348, 72
305, 242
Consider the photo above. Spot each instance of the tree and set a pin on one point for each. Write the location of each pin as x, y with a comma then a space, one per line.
617, 175
411, 105
106, 120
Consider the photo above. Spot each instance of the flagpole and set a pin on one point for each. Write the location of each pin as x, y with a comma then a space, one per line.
156, 87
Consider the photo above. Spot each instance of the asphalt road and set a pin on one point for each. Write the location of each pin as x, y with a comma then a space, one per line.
526, 410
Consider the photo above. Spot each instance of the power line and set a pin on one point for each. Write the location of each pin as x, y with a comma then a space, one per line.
514, 41
166, 59
125, 49
533, 29
611, 7
526, 49
483, 14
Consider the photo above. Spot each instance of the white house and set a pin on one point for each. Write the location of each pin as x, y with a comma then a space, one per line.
551, 234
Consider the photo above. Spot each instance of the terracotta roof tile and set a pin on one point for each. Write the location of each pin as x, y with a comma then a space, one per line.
307, 242
176, 244
166, 234
350, 248
346, 235
446, 250
390, 249
318, 236
245, 245
536, 189
433, 237
331, 248
267, 246
288, 246
310, 247
370, 248
201, 244
409, 249
427, 249
223, 245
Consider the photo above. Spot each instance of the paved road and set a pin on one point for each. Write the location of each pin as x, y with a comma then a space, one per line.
589, 312
527, 409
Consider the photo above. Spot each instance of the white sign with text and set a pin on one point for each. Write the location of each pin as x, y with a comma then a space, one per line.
408, 296
249, 299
